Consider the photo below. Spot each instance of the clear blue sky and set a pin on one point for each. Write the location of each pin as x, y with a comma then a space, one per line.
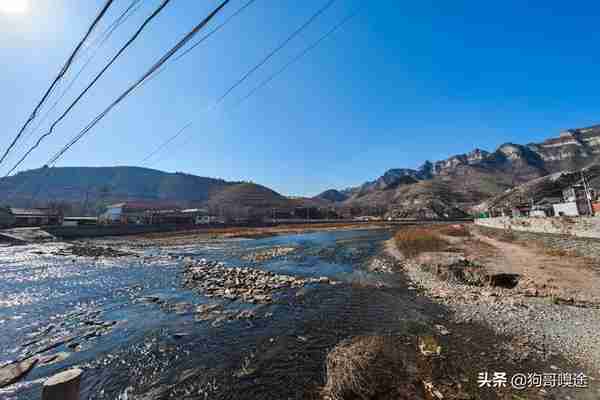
401, 83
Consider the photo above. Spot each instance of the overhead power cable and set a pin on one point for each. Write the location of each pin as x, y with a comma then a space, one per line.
137, 83
295, 59
93, 82
184, 53
166, 143
275, 51
159, 159
95, 46
202, 39
133, 6
60, 75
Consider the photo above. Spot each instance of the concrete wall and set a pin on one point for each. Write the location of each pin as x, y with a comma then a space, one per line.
572, 226
74, 232
6, 218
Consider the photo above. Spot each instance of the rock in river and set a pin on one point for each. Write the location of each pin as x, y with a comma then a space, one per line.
250, 285
13, 372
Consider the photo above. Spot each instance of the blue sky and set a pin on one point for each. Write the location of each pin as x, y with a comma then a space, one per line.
400, 83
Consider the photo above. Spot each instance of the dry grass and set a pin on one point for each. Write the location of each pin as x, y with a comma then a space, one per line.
554, 252
365, 367
455, 231
504, 235
414, 241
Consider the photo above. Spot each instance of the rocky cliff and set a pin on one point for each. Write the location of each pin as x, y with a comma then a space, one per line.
467, 179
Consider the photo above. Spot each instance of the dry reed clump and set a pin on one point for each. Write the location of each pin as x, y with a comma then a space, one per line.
365, 367
455, 231
412, 242
554, 252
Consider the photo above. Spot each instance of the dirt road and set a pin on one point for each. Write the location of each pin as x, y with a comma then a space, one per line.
565, 276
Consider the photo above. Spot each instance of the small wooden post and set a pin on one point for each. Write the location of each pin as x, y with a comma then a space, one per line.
63, 386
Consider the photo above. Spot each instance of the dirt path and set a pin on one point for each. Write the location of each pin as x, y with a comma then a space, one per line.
563, 276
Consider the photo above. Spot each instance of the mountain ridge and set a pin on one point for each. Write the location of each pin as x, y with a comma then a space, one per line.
444, 188
573, 149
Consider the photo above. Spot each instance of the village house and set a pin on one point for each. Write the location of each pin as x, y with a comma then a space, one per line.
29, 217
544, 207
138, 212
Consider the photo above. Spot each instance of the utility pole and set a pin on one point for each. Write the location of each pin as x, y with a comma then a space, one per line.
587, 194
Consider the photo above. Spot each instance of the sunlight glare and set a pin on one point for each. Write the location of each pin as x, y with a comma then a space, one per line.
14, 6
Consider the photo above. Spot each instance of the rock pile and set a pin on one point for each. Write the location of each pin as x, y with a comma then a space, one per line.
382, 264
251, 285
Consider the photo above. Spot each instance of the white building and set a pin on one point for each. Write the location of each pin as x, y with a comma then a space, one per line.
568, 209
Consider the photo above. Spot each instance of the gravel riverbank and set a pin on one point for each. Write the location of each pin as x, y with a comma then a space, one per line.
539, 326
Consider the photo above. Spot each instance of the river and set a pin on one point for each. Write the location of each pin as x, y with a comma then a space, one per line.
94, 313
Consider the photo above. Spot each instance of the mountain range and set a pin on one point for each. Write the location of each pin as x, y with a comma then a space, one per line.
452, 186
444, 188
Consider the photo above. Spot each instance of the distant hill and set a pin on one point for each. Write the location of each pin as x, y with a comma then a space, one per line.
76, 184
250, 195
332, 196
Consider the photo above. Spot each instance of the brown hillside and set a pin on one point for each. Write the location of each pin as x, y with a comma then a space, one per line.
250, 195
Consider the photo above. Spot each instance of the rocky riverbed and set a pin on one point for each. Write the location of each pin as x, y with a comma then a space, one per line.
249, 285
53, 343
200, 320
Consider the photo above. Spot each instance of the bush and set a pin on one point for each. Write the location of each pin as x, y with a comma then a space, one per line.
455, 230
364, 367
414, 241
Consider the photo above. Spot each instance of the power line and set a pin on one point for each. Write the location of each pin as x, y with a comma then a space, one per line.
136, 84
58, 77
278, 48
133, 6
275, 51
202, 39
92, 83
164, 144
96, 46
295, 59
184, 53
182, 145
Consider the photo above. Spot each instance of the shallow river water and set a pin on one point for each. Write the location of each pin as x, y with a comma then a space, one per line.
94, 314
